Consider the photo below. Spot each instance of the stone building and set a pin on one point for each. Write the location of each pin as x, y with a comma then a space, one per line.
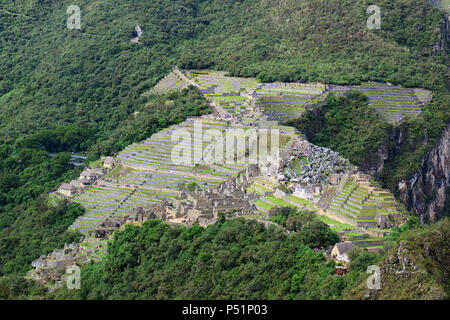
340, 251
252, 94
53, 266
67, 190
109, 162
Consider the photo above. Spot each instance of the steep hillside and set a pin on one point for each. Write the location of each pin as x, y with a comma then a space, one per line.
237, 259
93, 77
417, 267
65, 90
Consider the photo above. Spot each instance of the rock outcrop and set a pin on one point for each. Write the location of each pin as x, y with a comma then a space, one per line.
426, 191
417, 268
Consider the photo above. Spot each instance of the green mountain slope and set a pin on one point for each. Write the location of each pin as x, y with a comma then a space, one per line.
93, 77
83, 87
417, 267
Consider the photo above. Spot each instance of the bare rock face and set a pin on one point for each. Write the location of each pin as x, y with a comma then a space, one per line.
426, 191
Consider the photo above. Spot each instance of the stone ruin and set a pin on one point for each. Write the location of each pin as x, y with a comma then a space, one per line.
197, 207
51, 268
229, 197
137, 215
139, 34
88, 177
322, 165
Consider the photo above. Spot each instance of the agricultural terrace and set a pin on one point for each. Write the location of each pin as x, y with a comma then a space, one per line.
147, 173
393, 104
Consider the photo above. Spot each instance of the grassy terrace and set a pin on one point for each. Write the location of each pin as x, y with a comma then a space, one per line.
227, 91
284, 101
283, 108
278, 201
151, 170
264, 205
229, 98
148, 175
302, 202
392, 103
171, 82
359, 205
339, 226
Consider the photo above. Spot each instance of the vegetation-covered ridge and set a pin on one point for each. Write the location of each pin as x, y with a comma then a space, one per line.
416, 267
83, 88
93, 77
30, 225
234, 259
352, 127
347, 125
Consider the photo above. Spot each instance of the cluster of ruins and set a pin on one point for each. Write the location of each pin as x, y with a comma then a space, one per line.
88, 177
193, 207
52, 268
309, 169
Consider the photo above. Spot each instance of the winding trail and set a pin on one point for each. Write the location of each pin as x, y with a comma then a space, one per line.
15, 14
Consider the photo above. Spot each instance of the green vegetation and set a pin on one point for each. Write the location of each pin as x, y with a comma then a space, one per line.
396, 232
67, 90
28, 227
236, 259
297, 165
264, 205
27, 233
188, 186
312, 231
415, 267
347, 125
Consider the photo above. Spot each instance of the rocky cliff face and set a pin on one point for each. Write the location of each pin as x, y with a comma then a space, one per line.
444, 36
426, 191
404, 278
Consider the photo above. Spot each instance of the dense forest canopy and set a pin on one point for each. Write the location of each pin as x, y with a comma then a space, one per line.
67, 90
235, 259
93, 77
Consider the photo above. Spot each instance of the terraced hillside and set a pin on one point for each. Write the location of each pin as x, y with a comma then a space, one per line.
148, 174
230, 92
283, 108
270, 198
392, 103
171, 82
280, 101
362, 205
103, 202
285, 101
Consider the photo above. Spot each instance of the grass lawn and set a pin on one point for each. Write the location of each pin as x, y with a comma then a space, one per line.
267, 183
230, 98
301, 201
279, 202
260, 187
264, 205
252, 216
98, 162
115, 173
327, 220
250, 189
